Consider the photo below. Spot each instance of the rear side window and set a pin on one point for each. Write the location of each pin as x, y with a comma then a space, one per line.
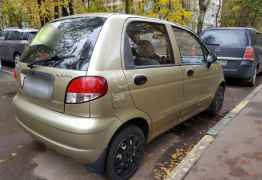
191, 51
66, 44
225, 38
148, 44
12, 35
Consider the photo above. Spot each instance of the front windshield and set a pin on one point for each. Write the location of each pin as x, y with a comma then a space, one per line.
74, 38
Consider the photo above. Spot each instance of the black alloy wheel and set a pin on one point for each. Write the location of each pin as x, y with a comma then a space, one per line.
125, 154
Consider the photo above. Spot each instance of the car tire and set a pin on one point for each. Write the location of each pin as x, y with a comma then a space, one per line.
16, 58
125, 153
252, 81
217, 102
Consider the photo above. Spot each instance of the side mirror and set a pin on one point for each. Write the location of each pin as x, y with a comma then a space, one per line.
211, 58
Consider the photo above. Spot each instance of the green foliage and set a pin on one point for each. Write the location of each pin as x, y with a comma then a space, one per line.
170, 10
35, 13
11, 13
242, 13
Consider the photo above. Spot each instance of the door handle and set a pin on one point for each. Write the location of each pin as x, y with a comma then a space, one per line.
140, 80
190, 72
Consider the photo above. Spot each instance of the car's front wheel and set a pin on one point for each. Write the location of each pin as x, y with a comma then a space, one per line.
217, 102
125, 154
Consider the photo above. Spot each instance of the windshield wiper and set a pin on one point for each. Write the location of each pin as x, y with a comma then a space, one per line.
44, 61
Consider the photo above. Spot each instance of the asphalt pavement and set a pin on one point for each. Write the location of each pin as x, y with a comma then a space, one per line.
23, 158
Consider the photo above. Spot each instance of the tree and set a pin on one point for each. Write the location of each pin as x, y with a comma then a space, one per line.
242, 13
171, 10
203, 5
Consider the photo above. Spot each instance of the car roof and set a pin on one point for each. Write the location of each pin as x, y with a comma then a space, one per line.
21, 29
121, 15
108, 15
231, 28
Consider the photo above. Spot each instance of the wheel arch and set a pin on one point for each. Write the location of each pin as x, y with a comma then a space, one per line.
16, 53
223, 84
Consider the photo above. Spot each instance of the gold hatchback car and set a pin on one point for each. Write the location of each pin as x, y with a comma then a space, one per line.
98, 87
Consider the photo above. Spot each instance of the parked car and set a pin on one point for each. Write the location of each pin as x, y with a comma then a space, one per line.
239, 50
13, 43
98, 87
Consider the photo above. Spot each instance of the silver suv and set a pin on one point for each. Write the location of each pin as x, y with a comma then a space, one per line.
13, 42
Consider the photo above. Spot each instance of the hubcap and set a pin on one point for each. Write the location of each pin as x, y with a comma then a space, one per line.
128, 155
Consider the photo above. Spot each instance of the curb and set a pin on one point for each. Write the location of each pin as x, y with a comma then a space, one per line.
180, 172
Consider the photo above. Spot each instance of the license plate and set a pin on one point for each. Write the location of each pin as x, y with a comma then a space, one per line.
22, 78
222, 62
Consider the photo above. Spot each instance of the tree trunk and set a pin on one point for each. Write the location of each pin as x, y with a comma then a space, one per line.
127, 6
56, 11
71, 7
203, 5
42, 19
218, 12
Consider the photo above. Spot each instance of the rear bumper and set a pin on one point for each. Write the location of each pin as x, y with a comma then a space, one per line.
83, 139
242, 71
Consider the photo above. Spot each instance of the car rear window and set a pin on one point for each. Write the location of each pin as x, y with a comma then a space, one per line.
69, 43
225, 38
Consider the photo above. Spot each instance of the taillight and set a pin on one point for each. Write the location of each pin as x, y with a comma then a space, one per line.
14, 73
249, 54
84, 89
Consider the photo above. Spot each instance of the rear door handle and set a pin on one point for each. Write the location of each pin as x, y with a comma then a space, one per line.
190, 72
140, 80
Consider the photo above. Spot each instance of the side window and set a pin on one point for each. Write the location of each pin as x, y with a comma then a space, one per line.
2, 35
12, 35
190, 49
25, 36
148, 44
6, 34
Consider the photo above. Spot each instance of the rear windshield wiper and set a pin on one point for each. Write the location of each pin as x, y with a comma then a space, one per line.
44, 61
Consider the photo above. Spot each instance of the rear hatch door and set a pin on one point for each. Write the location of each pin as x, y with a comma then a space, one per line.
45, 86
59, 53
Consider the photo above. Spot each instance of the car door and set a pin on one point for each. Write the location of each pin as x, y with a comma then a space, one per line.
4, 45
8, 48
155, 81
199, 80
2, 42
13, 45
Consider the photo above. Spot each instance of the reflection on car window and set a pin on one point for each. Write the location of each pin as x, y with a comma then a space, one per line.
190, 49
74, 38
149, 44
225, 38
